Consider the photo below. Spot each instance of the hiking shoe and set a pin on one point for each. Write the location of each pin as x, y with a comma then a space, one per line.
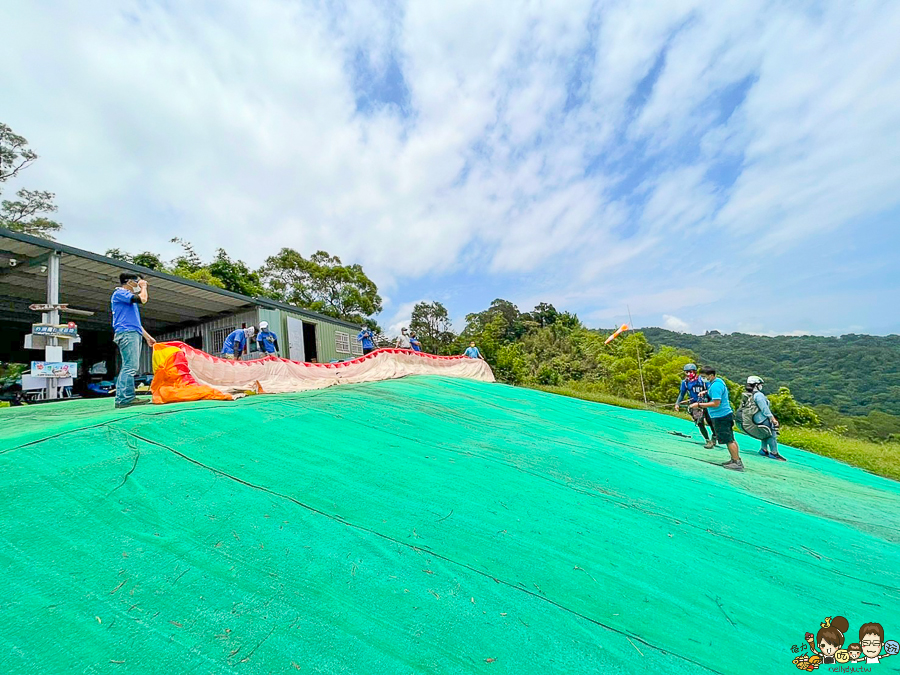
133, 402
710, 444
734, 465
778, 457
764, 453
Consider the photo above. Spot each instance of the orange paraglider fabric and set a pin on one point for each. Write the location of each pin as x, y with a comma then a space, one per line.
183, 373
172, 379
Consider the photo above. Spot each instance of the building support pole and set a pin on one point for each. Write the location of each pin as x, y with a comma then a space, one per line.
51, 350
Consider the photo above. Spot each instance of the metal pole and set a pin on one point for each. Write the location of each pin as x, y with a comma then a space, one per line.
52, 315
637, 353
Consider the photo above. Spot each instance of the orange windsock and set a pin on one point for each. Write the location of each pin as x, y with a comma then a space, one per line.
621, 330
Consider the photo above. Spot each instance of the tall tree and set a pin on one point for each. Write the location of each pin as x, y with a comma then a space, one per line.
544, 314
322, 283
236, 276
431, 324
190, 266
27, 213
146, 259
513, 326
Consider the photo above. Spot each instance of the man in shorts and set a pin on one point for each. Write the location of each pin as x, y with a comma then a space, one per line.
722, 416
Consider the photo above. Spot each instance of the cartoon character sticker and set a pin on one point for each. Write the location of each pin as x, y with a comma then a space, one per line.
827, 645
871, 638
830, 638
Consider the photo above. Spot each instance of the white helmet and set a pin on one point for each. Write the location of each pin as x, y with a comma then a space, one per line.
755, 379
263, 325
251, 331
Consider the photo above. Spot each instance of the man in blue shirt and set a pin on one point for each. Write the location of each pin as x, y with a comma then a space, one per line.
472, 352
414, 343
694, 387
236, 342
267, 340
128, 333
367, 338
722, 416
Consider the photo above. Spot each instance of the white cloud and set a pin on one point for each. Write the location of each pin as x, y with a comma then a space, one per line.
674, 323
535, 156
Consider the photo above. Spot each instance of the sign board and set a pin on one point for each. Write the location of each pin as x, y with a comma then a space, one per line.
54, 369
55, 330
62, 308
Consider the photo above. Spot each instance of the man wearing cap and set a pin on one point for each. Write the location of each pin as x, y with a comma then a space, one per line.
403, 341
236, 342
267, 340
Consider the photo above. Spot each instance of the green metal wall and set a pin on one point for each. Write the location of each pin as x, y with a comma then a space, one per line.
326, 339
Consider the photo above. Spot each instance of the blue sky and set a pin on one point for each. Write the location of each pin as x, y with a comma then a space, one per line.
730, 166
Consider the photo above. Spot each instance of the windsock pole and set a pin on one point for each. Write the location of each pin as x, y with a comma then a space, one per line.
638, 354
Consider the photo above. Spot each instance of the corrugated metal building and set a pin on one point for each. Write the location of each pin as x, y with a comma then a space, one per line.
179, 309
302, 335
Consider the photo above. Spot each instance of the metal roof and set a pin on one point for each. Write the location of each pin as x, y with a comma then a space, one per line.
88, 279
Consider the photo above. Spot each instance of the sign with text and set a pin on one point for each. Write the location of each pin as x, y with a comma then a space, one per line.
54, 369
52, 330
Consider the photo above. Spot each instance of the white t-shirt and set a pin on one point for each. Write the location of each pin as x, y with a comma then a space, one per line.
873, 659
403, 342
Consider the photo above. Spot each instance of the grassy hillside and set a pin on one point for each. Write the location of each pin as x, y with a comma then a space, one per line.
422, 525
879, 458
855, 374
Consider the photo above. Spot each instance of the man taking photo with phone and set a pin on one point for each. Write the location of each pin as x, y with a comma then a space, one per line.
128, 334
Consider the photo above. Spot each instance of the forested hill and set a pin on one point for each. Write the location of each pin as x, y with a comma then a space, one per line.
853, 373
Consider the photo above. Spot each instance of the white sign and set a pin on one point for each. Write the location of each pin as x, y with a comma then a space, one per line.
54, 369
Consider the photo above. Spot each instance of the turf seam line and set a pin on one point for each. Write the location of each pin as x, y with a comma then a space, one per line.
362, 528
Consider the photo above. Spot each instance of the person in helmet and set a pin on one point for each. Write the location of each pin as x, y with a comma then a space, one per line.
236, 342
694, 387
769, 446
267, 340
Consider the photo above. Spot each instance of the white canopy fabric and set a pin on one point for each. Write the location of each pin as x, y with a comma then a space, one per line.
273, 375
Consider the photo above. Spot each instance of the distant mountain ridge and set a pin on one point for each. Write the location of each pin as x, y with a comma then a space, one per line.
852, 373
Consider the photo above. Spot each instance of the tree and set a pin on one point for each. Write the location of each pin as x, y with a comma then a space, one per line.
513, 326
791, 413
322, 283
189, 261
544, 314
236, 276
190, 266
27, 213
431, 324
146, 259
